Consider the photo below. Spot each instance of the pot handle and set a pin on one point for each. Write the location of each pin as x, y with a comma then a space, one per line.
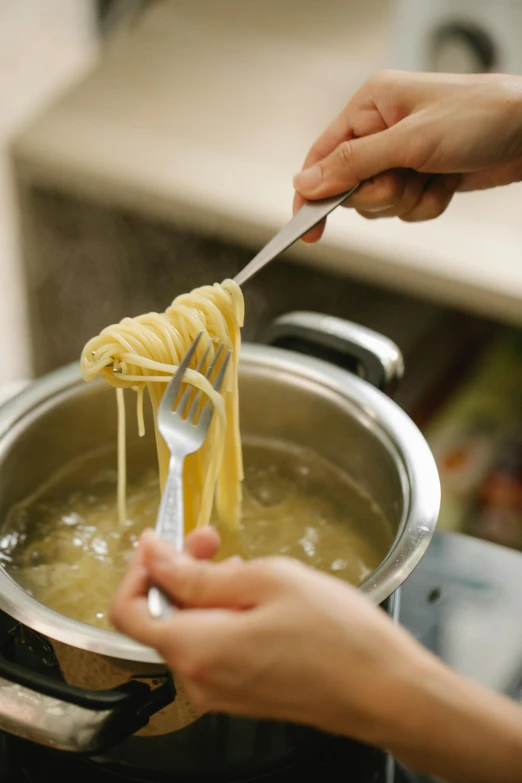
358, 349
46, 710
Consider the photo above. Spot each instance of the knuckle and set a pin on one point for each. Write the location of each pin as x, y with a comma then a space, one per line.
413, 154
434, 204
195, 667
196, 587
437, 211
258, 569
275, 568
369, 215
345, 154
384, 76
388, 190
116, 612
421, 148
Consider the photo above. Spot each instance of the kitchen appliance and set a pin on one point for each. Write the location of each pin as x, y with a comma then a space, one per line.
79, 688
458, 36
462, 602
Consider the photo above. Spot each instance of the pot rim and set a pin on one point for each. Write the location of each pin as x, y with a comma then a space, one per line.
399, 435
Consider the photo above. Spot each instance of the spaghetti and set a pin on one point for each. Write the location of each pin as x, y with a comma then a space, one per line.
144, 353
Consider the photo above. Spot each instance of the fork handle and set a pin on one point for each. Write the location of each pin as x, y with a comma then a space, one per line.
170, 525
310, 214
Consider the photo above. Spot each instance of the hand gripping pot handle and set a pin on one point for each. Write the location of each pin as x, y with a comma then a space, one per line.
46, 710
365, 352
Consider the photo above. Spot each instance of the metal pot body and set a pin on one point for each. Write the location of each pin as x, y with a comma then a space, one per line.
82, 689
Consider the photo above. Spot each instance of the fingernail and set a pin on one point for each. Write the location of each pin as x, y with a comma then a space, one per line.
309, 179
145, 541
147, 535
376, 210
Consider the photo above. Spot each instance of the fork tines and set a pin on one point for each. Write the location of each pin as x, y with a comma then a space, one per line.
193, 401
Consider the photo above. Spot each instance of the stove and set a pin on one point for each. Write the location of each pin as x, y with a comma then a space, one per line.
337, 757
463, 602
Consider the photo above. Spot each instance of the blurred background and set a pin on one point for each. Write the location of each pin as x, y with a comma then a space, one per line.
148, 147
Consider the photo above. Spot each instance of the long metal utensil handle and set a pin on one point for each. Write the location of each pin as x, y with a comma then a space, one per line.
170, 525
306, 218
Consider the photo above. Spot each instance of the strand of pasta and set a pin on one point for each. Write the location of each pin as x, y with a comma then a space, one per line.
144, 352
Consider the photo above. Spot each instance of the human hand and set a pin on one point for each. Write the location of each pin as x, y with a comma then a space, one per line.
414, 140
203, 543
271, 639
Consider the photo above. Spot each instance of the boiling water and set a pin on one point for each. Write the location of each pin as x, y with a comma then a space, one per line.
65, 545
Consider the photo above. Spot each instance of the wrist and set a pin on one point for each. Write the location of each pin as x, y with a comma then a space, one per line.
446, 725
403, 711
367, 705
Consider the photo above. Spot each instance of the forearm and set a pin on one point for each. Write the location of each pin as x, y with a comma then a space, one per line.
449, 727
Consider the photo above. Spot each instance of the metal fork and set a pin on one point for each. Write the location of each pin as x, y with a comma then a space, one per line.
310, 214
184, 433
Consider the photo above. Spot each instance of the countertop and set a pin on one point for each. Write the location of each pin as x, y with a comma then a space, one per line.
201, 116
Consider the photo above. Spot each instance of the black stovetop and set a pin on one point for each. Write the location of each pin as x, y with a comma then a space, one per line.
37, 765
463, 602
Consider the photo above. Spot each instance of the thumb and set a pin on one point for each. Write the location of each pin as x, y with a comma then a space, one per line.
199, 584
351, 162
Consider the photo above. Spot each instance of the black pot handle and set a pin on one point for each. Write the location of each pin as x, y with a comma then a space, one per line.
358, 349
46, 710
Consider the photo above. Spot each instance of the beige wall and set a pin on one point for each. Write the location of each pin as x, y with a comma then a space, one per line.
44, 45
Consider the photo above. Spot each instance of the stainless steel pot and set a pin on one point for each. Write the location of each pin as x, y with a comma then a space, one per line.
79, 688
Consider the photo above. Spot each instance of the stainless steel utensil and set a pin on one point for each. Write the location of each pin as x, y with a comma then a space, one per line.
306, 218
59, 419
183, 428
